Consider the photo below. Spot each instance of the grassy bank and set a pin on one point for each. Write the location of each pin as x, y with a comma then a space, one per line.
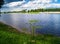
9, 35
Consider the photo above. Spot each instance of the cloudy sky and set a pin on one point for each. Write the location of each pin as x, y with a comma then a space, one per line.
18, 4
53, 1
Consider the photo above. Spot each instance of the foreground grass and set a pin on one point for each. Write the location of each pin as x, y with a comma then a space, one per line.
9, 35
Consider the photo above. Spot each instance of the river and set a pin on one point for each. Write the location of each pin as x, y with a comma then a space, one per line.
49, 22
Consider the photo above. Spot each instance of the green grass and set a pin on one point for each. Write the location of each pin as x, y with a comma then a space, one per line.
9, 35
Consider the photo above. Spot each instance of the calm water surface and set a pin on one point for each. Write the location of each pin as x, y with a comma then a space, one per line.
50, 23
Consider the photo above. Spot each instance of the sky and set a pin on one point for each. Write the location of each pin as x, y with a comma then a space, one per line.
17, 4
8, 1
56, 1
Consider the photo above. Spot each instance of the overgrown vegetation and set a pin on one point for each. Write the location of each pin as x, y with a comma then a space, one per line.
9, 35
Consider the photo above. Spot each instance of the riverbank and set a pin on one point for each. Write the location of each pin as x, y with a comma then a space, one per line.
9, 35
51, 12
20, 12
31, 12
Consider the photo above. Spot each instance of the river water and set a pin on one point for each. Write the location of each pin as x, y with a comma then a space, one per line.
50, 23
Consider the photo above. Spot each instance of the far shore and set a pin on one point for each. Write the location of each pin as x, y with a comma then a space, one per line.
55, 12
51, 12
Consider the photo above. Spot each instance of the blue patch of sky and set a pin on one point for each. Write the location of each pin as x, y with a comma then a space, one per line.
55, 1
8, 1
58, 1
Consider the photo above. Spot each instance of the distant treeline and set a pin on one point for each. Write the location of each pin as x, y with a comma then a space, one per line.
51, 9
45, 10
36, 10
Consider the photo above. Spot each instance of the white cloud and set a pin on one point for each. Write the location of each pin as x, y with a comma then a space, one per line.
12, 4
42, 1
36, 4
31, 5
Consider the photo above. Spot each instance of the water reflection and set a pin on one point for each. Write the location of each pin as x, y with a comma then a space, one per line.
50, 22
